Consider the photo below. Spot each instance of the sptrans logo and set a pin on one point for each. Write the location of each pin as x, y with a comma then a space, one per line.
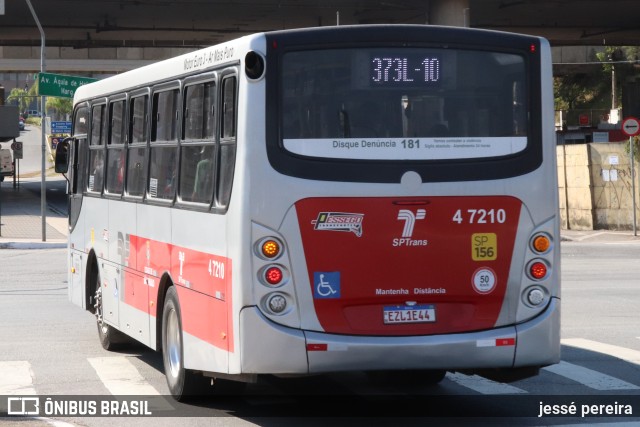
409, 218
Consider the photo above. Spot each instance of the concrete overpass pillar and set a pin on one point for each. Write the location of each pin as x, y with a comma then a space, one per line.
449, 12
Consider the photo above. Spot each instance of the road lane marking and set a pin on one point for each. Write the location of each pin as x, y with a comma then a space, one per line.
120, 377
590, 378
54, 423
483, 385
16, 378
626, 354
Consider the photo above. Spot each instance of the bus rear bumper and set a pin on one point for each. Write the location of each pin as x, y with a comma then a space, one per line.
270, 348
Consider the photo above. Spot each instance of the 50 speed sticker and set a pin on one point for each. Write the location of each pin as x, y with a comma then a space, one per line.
484, 280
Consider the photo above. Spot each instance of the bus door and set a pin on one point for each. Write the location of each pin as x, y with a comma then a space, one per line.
76, 148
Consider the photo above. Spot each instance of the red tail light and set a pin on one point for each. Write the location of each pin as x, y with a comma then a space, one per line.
273, 275
538, 270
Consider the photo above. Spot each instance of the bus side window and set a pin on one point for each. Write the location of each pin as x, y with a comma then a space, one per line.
164, 142
115, 148
96, 149
80, 127
227, 142
198, 150
136, 152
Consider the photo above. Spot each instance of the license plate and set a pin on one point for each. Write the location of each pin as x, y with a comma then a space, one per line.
409, 314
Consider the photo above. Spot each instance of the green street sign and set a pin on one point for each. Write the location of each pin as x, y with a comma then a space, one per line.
60, 85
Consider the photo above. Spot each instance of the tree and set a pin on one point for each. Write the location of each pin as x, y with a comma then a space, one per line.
591, 89
19, 96
61, 107
573, 91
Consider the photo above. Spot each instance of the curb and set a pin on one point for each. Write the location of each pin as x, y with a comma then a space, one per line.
33, 245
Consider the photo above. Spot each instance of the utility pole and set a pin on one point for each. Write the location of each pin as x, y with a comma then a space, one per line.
43, 125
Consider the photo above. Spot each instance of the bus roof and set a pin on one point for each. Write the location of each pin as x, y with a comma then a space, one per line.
233, 52
213, 56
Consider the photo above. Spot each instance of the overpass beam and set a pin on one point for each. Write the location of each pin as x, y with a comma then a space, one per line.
449, 12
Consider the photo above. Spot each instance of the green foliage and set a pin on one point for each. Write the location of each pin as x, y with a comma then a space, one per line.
636, 148
36, 121
592, 89
19, 97
60, 107
574, 91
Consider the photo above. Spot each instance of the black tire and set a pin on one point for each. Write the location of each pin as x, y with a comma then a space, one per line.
183, 383
110, 338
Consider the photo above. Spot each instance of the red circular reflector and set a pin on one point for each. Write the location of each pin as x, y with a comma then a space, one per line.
273, 275
538, 270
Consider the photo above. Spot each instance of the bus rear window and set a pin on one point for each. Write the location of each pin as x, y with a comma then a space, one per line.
404, 103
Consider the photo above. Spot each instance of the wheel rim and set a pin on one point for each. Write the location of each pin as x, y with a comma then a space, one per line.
173, 343
98, 307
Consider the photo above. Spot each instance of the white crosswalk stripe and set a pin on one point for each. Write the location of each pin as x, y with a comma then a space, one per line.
626, 354
483, 385
590, 378
120, 377
16, 378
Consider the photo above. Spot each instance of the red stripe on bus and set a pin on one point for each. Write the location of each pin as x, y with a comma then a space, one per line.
203, 282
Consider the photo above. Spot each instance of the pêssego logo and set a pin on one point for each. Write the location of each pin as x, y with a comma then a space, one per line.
339, 221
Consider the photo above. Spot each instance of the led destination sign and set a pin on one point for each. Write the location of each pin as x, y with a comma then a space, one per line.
405, 70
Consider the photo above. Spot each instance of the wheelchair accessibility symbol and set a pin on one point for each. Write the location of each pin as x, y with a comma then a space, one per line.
326, 285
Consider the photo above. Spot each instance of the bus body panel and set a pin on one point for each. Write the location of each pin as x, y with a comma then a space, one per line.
371, 236
495, 348
371, 260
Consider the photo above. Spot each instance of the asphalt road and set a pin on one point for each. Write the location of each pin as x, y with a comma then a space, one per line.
56, 344
31, 162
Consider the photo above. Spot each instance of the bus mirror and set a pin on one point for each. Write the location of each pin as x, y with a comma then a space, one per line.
62, 156
254, 65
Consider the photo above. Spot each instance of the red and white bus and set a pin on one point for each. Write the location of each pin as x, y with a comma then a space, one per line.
371, 198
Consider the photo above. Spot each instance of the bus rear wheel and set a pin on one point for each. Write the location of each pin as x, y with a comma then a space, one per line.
183, 383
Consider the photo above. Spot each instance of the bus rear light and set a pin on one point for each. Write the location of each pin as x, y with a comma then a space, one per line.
273, 275
535, 296
270, 248
541, 243
538, 270
277, 303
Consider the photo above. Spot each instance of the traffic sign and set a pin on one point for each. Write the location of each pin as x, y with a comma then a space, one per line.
16, 146
631, 126
60, 85
60, 127
583, 120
